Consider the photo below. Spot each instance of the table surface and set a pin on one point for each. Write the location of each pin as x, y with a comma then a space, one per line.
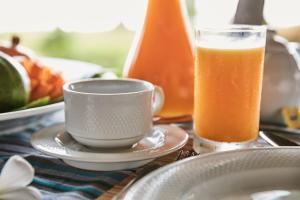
56, 180
170, 158
186, 150
161, 161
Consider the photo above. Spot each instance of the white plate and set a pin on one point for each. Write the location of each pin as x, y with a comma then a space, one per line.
71, 70
249, 174
56, 142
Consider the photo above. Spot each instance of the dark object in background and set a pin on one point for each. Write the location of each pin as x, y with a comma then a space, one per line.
281, 68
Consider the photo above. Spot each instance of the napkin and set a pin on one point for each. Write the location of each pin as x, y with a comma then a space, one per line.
15, 177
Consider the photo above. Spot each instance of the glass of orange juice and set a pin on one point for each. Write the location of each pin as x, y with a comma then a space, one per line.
228, 83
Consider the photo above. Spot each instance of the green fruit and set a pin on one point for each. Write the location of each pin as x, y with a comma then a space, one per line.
14, 84
36, 103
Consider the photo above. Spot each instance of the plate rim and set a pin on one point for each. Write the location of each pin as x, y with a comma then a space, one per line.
81, 62
31, 111
165, 168
105, 159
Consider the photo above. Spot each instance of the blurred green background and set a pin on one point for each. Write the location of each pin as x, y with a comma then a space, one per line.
108, 49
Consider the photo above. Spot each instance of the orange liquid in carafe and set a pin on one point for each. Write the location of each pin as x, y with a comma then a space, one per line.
227, 93
164, 56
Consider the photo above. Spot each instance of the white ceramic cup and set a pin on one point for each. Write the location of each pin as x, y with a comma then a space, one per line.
110, 113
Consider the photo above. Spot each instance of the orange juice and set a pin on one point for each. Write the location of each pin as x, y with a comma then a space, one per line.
228, 86
163, 55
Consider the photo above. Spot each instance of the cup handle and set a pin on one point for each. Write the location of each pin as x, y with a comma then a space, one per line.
158, 100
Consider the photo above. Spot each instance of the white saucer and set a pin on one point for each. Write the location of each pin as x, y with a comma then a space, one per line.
56, 142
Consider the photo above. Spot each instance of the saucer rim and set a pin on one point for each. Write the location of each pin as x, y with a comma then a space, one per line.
100, 166
105, 139
52, 131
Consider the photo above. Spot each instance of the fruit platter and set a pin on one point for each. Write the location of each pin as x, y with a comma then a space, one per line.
31, 86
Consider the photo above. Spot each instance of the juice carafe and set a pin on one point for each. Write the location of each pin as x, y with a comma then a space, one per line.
163, 55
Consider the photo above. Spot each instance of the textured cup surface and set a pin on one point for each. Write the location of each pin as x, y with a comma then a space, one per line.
100, 112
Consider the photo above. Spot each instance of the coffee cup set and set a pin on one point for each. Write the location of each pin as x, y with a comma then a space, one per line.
108, 126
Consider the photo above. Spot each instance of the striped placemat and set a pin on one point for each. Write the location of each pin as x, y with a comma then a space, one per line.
55, 179
58, 181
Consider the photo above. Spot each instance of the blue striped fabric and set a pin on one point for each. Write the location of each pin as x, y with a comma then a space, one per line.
55, 179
